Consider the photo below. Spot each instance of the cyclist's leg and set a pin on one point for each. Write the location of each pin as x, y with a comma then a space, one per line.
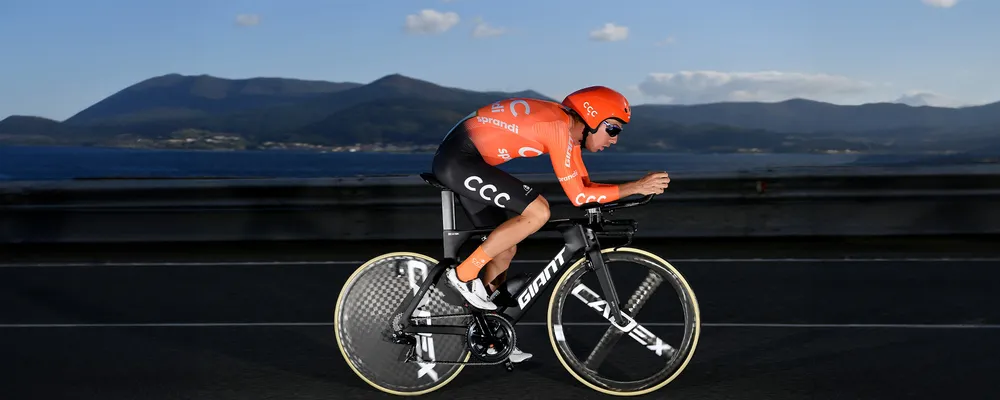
513, 231
493, 187
459, 166
495, 272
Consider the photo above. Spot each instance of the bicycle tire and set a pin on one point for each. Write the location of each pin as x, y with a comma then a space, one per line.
561, 291
363, 316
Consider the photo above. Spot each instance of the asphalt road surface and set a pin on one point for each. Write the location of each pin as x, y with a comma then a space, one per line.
789, 320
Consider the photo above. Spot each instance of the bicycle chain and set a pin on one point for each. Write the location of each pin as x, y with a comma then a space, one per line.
411, 356
414, 320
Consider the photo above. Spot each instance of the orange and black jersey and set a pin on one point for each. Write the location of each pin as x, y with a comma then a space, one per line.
523, 127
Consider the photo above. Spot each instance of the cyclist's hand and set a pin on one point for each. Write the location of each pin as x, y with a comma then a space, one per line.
652, 183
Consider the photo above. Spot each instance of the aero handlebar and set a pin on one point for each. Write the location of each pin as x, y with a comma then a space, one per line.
617, 204
626, 204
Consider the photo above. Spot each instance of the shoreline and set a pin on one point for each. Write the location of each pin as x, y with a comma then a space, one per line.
430, 149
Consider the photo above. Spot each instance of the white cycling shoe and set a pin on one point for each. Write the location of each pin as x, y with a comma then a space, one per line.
473, 291
515, 356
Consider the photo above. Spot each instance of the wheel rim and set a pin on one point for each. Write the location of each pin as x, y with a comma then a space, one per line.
573, 342
366, 305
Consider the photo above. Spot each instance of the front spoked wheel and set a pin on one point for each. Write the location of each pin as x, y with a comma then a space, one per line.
653, 346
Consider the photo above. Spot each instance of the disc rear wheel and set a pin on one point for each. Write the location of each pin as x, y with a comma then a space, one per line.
367, 312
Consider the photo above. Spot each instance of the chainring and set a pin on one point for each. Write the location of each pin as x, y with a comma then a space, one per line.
503, 332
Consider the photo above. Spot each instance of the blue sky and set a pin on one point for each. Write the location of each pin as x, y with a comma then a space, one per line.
64, 55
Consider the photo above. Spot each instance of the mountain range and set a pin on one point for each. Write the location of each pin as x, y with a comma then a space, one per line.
404, 111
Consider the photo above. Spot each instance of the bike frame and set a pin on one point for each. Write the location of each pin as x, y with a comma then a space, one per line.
579, 234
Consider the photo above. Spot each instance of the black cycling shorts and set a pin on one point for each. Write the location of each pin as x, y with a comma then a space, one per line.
484, 191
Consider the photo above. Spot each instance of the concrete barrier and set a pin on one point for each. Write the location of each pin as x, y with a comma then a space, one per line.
825, 202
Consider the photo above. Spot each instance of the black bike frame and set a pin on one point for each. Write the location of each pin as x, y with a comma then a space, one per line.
580, 236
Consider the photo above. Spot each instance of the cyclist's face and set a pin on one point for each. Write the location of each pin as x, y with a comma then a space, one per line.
606, 135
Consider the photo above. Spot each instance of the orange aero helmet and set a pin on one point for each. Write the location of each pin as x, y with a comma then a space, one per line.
598, 103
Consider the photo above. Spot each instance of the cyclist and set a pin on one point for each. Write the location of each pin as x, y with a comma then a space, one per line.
466, 163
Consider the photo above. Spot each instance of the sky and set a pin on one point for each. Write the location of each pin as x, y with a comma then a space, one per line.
58, 57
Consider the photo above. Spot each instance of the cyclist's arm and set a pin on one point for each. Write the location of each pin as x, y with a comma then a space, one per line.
567, 164
624, 189
577, 162
588, 183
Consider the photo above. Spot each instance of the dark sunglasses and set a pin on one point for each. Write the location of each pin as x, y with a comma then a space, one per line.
613, 129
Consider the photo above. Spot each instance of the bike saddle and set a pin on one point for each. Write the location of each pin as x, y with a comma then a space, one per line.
432, 180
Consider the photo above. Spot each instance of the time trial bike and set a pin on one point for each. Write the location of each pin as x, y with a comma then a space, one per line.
402, 330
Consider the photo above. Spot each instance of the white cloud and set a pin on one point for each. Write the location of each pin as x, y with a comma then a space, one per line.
483, 29
247, 19
430, 22
694, 87
609, 33
632, 91
918, 98
941, 3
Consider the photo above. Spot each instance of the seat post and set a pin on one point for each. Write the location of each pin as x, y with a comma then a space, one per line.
448, 210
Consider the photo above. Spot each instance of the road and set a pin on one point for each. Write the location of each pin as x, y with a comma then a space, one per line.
782, 320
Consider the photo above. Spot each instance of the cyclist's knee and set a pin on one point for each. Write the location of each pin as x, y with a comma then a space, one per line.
538, 211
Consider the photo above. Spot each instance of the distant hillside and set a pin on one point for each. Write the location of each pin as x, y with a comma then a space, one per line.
16, 124
414, 121
174, 109
269, 121
177, 96
806, 116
